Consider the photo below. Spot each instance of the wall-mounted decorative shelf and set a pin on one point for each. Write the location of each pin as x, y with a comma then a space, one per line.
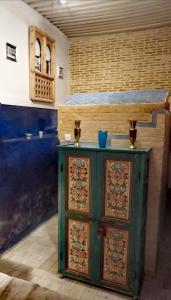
42, 66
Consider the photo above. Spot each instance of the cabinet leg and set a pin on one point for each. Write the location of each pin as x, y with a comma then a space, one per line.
61, 276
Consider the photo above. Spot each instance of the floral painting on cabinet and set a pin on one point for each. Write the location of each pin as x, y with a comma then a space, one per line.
117, 189
115, 255
78, 189
78, 246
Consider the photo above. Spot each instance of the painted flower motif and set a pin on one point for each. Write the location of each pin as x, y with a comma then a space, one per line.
78, 246
115, 255
117, 189
79, 226
116, 235
116, 166
79, 163
79, 184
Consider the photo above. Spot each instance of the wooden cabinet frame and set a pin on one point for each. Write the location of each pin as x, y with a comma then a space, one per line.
42, 84
102, 207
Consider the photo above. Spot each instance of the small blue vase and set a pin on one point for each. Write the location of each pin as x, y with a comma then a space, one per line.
102, 138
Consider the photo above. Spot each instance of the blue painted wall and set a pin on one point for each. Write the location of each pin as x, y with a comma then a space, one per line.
28, 171
15, 121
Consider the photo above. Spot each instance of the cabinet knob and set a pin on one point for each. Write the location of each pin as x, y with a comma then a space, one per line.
102, 231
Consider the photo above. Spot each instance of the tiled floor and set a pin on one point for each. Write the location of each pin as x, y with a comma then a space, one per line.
35, 259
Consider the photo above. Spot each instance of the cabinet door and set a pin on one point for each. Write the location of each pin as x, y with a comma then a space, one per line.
78, 182
119, 204
101, 217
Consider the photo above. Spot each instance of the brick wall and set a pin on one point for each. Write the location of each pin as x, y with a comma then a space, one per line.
122, 61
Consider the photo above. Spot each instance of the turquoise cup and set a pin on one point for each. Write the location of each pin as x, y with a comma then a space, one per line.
102, 138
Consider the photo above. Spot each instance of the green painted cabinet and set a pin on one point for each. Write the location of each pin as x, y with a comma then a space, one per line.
102, 208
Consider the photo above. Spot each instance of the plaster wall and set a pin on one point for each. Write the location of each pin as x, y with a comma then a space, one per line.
15, 19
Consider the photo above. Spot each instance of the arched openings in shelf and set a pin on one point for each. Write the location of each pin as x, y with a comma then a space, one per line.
48, 60
37, 55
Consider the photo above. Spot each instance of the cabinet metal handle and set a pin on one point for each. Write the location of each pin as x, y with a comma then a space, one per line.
102, 231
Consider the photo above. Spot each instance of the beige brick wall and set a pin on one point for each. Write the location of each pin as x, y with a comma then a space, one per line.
113, 118
122, 61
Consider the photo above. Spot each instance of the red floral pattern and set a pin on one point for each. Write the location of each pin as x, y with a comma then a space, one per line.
78, 184
117, 189
78, 246
115, 255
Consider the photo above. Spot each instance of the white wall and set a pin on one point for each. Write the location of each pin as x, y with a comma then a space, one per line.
15, 19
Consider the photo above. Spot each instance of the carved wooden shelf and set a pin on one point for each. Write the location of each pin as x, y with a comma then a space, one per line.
42, 66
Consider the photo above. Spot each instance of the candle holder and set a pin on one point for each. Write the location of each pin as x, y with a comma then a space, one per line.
132, 133
77, 132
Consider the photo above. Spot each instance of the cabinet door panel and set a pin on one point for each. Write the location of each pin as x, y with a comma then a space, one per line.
115, 255
78, 246
78, 184
117, 188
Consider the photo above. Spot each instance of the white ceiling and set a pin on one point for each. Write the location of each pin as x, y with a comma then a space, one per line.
91, 17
